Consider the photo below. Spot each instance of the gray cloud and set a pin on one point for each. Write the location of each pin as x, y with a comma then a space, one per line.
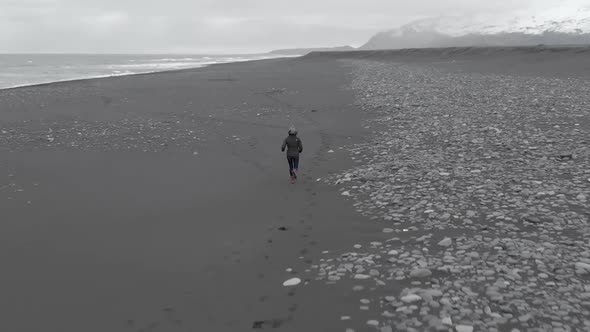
208, 26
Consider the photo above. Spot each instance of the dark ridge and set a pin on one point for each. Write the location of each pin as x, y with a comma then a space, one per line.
540, 60
428, 39
455, 52
303, 51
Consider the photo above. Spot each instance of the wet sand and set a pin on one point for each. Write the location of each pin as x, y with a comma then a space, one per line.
154, 202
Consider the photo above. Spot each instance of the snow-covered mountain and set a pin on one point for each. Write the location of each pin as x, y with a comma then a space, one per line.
557, 25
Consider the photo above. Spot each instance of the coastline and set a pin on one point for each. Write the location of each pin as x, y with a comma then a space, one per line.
129, 73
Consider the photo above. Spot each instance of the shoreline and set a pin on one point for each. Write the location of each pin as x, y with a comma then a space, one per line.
133, 74
425, 55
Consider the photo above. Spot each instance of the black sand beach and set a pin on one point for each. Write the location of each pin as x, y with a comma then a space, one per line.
161, 202
154, 202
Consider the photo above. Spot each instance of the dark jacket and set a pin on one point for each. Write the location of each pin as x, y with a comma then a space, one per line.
293, 145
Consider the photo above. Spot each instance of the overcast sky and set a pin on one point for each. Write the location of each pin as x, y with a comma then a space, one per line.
216, 26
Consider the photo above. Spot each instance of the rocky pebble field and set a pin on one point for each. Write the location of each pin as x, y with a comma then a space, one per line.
480, 183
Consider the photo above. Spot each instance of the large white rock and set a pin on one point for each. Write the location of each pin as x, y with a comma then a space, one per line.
292, 282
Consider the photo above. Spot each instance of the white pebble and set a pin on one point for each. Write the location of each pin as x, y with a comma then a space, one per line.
292, 282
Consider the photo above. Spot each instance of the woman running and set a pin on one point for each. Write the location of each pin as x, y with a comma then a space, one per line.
294, 147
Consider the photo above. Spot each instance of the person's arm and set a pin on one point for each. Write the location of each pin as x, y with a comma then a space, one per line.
300, 145
284, 145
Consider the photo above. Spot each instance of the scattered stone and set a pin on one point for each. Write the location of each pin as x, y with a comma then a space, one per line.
473, 156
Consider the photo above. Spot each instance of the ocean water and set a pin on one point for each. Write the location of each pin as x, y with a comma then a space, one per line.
29, 69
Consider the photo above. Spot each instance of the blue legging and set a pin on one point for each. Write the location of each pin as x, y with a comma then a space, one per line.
293, 164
